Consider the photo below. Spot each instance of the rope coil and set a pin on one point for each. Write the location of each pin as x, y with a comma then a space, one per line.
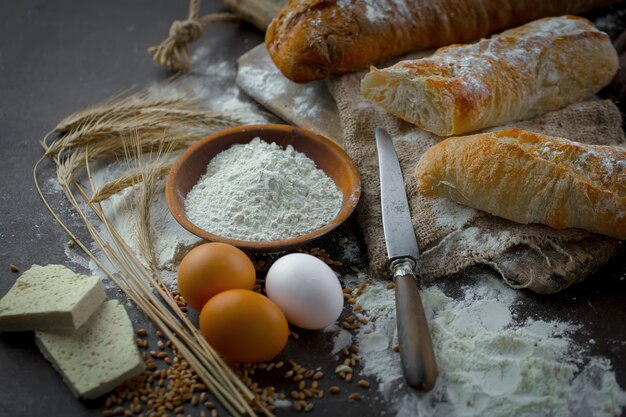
173, 52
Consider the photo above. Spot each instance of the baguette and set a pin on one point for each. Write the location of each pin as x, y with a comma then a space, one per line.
541, 66
528, 177
312, 39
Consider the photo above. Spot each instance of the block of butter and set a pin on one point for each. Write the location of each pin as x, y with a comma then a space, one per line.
50, 297
97, 357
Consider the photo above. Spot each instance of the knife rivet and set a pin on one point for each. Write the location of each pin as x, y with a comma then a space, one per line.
401, 267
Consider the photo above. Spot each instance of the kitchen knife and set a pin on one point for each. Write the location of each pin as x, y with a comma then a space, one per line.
416, 348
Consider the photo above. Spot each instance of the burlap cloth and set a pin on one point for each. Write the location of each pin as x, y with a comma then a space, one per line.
452, 237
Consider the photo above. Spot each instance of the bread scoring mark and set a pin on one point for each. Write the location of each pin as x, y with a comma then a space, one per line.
515, 75
602, 166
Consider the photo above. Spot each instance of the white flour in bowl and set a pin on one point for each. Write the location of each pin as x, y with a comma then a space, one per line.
492, 363
261, 192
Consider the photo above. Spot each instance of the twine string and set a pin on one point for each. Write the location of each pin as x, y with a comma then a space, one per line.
173, 52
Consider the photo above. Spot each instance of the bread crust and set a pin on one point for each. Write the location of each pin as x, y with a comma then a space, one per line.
541, 66
312, 39
528, 177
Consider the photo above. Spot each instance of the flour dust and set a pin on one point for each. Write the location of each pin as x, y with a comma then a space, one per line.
492, 362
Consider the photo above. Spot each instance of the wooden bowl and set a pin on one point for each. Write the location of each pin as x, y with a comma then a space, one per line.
326, 154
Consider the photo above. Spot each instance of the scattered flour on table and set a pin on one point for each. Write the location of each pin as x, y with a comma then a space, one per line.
171, 241
282, 403
341, 339
75, 256
261, 192
218, 95
491, 364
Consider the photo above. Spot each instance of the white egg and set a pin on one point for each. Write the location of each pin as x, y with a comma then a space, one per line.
306, 290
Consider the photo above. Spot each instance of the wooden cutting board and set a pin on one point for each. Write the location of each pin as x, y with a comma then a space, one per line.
258, 12
306, 105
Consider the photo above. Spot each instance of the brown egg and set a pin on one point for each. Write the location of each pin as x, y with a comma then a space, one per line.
244, 326
211, 268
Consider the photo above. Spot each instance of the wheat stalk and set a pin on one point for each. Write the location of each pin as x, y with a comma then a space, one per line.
93, 135
114, 147
128, 179
152, 123
132, 104
134, 280
148, 190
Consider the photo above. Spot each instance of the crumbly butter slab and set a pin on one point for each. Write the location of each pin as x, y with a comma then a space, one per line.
50, 297
97, 357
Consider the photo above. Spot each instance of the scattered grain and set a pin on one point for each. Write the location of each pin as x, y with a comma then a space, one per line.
343, 368
334, 390
355, 396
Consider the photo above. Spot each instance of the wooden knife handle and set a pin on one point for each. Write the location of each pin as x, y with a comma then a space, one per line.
416, 347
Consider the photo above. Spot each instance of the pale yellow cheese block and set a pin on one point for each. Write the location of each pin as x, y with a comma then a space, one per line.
48, 298
99, 356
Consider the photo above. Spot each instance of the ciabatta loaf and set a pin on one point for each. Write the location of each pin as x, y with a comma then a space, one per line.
311, 39
531, 178
541, 66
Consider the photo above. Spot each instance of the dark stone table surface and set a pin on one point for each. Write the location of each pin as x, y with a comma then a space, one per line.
57, 57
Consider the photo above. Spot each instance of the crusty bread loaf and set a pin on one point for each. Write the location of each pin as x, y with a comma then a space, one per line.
531, 178
541, 66
50, 297
311, 39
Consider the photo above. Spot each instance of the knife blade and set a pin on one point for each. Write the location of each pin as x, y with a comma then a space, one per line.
419, 365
